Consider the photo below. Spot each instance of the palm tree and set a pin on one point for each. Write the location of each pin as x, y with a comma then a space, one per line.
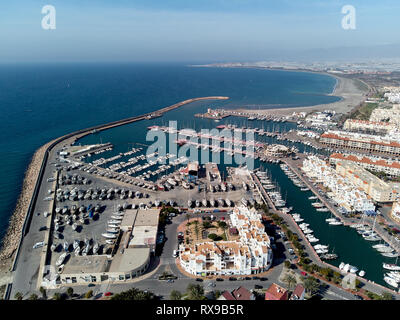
311, 285
33, 296
43, 292
195, 292
290, 281
57, 296
18, 296
175, 295
70, 292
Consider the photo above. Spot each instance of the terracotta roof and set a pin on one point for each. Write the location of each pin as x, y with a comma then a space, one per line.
367, 160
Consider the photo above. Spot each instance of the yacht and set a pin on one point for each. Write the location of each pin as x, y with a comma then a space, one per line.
341, 265
353, 269
336, 223
197, 203
212, 202
346, 267
204, 202
391, 281
109, 235
189, 203
61, 259
361, 273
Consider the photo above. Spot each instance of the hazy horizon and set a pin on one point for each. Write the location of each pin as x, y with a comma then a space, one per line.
197, 31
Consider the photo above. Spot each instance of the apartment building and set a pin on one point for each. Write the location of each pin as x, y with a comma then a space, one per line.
250, 254
360, 141
390, 167
377, 189
345, 193
365, 125
391, 115
395, 213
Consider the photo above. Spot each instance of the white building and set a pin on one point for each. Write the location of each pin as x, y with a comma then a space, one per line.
396, 211
342, 191
250, 254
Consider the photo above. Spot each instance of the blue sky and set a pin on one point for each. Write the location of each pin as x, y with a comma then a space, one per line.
190, 30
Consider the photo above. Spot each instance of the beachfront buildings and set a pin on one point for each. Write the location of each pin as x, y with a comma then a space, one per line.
391, 115
276, 292
377, 189
392, 94
371, 126
360, 141
341, 190
395, 213
376, 164
250, 254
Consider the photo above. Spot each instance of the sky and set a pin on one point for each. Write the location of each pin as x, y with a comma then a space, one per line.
196, 30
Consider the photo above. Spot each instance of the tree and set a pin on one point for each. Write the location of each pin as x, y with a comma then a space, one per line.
387, 295
195, 292
18, 295
33, 296
222, 224
311, 285
290, 280
134, 294
57, 296
70, 292
175, 295
217, 294
212, 236
43, 292
89, 294
287, 264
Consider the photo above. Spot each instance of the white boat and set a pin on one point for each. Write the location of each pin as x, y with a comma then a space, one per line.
341, 265
335, 223
392, 254
109, 235
353, 269
112, 230
346, 267
361, 273
61, 259
117, 217
391, 281
389, 266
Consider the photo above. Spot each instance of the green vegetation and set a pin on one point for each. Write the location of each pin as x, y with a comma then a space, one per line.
290, 280
57, 296
33, 296
70, 292
384, 296
18, 296
214, 237
311, 285
43, 292
175, 295
364, 111
134, 294
195, 292
89, 294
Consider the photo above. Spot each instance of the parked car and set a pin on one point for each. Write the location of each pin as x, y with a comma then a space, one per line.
303, 273
199, 279
232, 279
108, 294
257, 286
219, 279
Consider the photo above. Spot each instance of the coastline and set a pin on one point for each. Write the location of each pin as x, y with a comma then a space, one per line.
11, 240
350, 94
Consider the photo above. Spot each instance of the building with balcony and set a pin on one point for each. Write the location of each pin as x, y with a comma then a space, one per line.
251, 254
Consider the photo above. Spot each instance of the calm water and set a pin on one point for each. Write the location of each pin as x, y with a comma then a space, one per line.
41, 102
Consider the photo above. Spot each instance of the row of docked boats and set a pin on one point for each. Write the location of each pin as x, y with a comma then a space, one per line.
220, 202
346, 267
293, 177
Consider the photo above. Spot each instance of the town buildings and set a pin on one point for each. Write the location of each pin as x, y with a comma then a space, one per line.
237, 294
389, 167
377, 189
276, 292
395, 213
360, 141
250, 254
391, 115
371, 126
298, 293
345, 193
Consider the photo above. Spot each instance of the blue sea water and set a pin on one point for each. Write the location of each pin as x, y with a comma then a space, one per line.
41, 102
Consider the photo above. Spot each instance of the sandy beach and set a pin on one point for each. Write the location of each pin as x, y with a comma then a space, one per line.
348, 89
